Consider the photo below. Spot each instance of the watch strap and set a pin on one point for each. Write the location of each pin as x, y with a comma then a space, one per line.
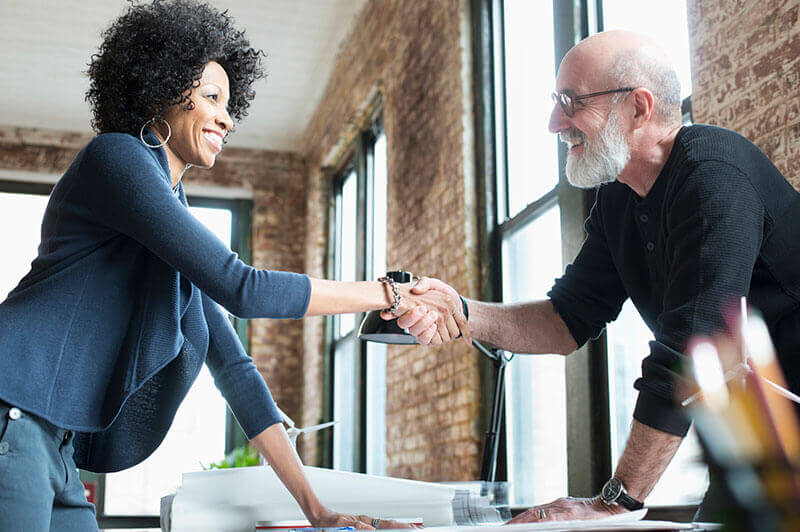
628, 502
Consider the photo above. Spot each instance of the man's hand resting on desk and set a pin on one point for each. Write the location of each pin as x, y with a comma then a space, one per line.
567, 509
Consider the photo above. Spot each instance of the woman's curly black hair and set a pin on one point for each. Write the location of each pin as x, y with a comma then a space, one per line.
155, 52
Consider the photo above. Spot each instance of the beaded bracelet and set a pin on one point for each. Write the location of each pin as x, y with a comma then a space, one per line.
393, 284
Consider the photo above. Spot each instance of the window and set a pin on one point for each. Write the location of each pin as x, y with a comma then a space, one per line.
529, 219
358, 241
24, 212
346, 359
531, 150
685, 480
536, 431
376, 353
533, 220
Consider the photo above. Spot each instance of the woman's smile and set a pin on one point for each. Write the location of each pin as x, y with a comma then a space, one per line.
214, 138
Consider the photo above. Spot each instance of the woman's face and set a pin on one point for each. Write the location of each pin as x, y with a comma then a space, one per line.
197, 134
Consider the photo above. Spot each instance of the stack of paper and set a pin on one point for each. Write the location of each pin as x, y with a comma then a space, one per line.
232, 500
480, 503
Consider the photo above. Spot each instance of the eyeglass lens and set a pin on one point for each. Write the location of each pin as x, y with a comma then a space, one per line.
565, 101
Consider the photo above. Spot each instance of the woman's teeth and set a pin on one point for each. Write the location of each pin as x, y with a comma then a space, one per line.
214, 139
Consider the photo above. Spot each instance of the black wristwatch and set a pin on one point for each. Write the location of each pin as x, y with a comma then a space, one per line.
613, 492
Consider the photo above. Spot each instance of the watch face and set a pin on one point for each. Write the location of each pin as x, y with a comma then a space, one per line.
611, 490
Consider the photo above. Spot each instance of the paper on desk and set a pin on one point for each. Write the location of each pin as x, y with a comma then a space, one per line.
470, 509
628, 521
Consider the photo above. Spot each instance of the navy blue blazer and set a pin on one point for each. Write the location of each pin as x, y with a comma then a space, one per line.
108, 330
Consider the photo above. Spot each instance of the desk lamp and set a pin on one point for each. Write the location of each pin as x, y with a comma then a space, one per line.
376, 329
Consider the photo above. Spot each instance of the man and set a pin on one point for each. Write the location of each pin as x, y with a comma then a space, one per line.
686, 220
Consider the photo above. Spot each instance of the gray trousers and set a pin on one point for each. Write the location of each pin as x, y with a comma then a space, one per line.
39, 485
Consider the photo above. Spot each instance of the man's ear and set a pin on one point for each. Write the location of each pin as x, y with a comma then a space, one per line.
643, 106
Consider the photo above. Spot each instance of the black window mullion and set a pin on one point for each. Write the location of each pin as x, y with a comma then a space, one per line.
355, 168
362, 246
500, 110
335, 272
25, 187
528, 215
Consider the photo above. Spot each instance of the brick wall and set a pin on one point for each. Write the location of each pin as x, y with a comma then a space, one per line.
318, 188
415, 55
746, 73
276, 182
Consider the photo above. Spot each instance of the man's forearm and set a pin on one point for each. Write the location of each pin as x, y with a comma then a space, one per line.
646, 456
533, 327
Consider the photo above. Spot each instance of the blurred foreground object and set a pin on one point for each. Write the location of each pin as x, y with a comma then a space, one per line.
749, 429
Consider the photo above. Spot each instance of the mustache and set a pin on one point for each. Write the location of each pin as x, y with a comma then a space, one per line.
572, 136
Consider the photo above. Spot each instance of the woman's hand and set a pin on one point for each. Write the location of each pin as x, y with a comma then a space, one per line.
330, 519
274, 444
432, 311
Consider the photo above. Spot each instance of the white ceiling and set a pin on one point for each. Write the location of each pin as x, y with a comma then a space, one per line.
45, 47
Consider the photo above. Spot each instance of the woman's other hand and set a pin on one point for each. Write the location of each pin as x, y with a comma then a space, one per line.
331, 519
432, 311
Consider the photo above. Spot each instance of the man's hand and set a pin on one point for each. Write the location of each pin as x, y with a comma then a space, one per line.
420, 320
568, 509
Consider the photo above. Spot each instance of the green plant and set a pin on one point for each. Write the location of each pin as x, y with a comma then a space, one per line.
243, 456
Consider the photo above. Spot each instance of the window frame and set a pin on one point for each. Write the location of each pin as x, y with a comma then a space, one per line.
359, 159
588, 428
491, 163
349, 168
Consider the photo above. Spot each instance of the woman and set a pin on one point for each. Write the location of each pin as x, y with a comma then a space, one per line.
101, 340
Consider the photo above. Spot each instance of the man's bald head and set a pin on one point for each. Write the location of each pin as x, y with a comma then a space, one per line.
625, 59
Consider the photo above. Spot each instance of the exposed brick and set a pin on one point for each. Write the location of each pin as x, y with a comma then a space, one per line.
760, 100
409, 53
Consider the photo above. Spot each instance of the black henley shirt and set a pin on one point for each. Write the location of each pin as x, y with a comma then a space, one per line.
720, 222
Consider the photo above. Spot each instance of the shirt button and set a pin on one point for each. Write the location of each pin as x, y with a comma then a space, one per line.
650, 246
3, 447
643, 218
14, 413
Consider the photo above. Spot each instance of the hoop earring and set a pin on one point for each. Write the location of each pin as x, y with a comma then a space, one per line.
154, 119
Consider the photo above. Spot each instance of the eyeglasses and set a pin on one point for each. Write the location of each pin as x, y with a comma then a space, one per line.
567, 102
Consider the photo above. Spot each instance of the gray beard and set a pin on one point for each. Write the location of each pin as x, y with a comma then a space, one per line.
602, 160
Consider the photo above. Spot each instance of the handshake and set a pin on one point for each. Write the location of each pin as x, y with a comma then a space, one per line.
429, 310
